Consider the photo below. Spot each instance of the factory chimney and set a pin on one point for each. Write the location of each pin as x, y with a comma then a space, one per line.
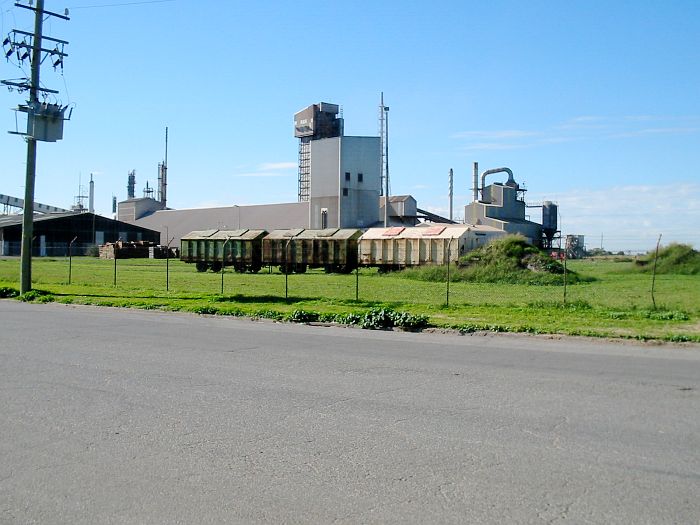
451, 192
475, 188
163, 174
91, 198
131, 186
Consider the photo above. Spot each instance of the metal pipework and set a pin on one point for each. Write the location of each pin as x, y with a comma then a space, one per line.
496, 170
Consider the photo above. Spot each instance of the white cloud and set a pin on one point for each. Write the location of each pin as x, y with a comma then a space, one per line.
631, 217
278, 166
495, 135
263, 174
271, 169
577, 129
491, 146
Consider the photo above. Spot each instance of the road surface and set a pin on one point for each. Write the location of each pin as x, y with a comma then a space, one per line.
127, 416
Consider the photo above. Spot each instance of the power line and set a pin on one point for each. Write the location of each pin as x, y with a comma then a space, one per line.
122, 4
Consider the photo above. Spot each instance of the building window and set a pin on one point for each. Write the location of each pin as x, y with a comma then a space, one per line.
359, 177
347, 176
345, 192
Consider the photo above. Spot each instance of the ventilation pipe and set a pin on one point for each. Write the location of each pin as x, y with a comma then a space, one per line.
509, 182
475, 188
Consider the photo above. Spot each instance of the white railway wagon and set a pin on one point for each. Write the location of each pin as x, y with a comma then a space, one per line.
400, 247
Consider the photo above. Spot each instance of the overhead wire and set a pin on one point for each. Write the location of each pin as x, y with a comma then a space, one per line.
121, 4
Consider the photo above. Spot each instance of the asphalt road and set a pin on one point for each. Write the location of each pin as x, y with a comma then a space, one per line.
124, 416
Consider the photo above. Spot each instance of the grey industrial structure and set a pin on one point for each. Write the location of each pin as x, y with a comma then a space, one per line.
340, 186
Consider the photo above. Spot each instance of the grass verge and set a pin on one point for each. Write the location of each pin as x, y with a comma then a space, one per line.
614, 302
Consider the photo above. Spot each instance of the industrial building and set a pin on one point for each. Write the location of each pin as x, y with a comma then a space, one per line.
54, 232
339, 186
502, 206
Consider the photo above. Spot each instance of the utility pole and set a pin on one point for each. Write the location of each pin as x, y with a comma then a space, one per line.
44, 121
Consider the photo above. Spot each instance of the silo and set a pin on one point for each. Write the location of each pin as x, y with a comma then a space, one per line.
549, 223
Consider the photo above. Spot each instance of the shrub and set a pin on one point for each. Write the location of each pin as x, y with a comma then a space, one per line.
509, 260
205, 309
302, 316
377, 319
6, 291
40, 296
383, 318
268, 314
674, 258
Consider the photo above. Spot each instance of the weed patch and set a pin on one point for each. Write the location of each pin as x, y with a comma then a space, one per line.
673, 259
39, 296
7, 292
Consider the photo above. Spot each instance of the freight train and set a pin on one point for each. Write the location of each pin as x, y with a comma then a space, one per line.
333, 249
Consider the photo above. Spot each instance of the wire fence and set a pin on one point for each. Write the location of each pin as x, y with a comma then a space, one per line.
171, 278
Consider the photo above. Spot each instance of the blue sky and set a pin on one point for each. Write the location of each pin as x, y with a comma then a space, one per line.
592, 104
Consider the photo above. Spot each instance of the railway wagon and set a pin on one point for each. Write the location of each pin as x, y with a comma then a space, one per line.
401, 247
213, 249
333, 249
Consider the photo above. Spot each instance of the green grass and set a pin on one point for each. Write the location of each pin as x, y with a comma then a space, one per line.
613, 301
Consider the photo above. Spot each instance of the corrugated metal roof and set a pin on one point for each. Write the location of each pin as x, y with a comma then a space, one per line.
13, 220
433, 230
418, 232
284, 234
229, 234
199, 234
393, 231
234, 235
347, 234
315, 234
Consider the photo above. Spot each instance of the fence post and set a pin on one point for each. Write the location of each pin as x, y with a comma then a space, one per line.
286, 270
653, 275
70, 258
223, 263
565, 275
115, 260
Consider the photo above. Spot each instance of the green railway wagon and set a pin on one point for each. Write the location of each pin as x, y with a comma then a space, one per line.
333, 249
213, 249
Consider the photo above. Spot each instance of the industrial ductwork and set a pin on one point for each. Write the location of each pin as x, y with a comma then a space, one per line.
509, 182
